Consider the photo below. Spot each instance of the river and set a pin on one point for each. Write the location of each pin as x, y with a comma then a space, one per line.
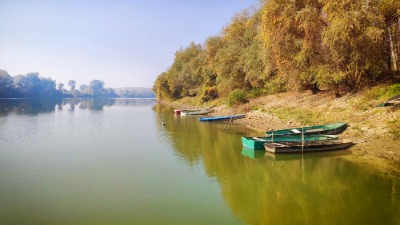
111, 161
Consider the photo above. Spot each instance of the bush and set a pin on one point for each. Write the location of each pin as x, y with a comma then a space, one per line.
394, 129
209, 93
237, 97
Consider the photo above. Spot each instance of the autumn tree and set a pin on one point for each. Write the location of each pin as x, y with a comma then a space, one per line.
354, 38
390, 9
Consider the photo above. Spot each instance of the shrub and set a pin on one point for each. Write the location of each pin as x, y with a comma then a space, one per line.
237, 97
394, 128
209, 93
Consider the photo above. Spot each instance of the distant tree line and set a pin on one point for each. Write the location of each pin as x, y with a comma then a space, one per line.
32, 85
285, 45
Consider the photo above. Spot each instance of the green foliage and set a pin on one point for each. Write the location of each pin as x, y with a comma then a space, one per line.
237, 97
339, 46
209, 93
276, 85
382, 93
394, 128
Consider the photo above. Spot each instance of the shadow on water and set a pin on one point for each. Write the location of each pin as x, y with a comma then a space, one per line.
317, 188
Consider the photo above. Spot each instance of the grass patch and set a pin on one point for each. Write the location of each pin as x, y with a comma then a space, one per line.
394, 128
303, 116
382, 93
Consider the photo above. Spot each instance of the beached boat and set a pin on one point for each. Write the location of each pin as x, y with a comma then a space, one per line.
257, 143
219, 118
311, 146
179, 111
199, 112
334, 128
391, 101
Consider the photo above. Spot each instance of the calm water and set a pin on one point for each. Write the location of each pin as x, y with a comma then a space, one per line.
111, 162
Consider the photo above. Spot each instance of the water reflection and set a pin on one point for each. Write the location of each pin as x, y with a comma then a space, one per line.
319, 188
38, 106
27, 106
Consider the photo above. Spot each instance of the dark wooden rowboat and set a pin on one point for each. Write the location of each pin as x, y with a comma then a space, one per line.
257, 143
312, 146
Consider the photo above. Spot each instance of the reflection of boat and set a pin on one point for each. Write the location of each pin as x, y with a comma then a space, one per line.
179, 111
310, 146
252, 154
334, 128
257, 143
299, 156
199, 112
218, 118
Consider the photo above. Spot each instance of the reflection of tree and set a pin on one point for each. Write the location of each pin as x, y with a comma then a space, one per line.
329, 190
96, 104
27, 106
42, 105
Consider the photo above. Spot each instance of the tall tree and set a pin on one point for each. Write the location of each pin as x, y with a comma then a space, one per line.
229, 68
6, 84
60, 86
72, 84
96, 88
354, 40
391, 12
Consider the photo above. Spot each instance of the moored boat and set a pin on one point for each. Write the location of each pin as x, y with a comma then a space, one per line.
257, 143
392, 101
179, 111
334, 128
219, 118
311, 146
199, 112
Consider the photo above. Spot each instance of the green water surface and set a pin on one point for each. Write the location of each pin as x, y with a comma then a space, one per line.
111, 161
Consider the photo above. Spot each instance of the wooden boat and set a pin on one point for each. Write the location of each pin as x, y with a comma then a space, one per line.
311, 146
219, 118
257, 143
392, 101
334, 128
199, 112
179, 111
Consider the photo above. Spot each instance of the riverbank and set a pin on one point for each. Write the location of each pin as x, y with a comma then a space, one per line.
375, 129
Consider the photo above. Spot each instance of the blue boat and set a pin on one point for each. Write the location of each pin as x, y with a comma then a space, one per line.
219, 118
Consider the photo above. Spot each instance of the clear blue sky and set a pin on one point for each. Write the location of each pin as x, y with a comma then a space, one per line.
124, 43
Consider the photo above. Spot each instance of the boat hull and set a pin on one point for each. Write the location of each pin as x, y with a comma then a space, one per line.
330, 145
200, 112
329, 129
257, 143
180, 111
221, 118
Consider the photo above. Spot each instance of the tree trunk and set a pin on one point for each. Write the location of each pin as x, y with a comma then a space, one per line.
393, 52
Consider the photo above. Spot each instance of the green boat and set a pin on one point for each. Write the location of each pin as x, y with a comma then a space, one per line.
257, 143
334, 128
